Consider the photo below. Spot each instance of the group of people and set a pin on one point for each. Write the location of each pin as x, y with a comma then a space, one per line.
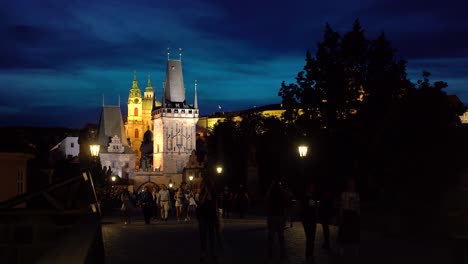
317, 205
229, 200
157, 203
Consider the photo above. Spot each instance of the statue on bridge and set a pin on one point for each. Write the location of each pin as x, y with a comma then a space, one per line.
146, 150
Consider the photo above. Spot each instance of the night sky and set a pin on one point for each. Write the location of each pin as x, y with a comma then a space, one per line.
57, 58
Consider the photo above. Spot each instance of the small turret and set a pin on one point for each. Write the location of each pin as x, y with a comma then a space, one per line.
149, 92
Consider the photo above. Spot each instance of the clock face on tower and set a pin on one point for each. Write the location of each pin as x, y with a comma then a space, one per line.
135, 101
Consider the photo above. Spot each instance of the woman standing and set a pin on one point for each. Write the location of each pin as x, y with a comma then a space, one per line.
179, 199
192, 206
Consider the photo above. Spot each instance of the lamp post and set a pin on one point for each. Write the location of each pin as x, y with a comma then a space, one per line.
94, 149
302, 149
191, 180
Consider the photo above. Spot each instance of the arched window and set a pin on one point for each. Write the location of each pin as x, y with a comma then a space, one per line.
135, 111
137, 133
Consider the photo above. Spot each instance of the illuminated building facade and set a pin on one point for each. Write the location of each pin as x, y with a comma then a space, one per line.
174, 124
139, 114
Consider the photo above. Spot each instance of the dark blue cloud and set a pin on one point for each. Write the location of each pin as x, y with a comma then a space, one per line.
59, 57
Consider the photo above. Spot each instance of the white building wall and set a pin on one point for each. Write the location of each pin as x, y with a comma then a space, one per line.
174, 138
122, 165
70, 147
158, 145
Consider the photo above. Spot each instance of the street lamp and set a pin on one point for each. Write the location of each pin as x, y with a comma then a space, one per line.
170, 184
191, 179
94, 148
219, 169
113, 178
302, 150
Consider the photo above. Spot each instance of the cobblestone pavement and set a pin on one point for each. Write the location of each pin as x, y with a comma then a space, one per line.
244, 242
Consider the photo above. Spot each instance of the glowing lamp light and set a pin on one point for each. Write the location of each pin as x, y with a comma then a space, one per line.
219, 169
113, 178
170, 185
190, 178
302, 150
94, 150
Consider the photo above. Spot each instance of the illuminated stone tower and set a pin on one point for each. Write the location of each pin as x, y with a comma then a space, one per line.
134, 126
149, 99
174, 123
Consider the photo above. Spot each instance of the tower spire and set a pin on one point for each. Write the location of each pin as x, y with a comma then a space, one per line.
102, 99
180, 53
168, 53
195, 99
135, 82
164, 94
149, 80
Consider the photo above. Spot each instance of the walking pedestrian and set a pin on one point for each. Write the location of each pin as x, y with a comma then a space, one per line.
208, 217
349, 228
146, 200
126, 206
326, 206
163, 198
185, 202
309, 219
154, 193
277, 201
179, 198
226, 201
242, 199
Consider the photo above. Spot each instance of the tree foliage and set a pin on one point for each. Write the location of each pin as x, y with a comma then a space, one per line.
348, 74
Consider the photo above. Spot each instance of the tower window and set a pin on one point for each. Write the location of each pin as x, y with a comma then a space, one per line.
135, 111
137, 133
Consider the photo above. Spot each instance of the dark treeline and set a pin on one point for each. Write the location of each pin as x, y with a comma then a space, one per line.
362, 118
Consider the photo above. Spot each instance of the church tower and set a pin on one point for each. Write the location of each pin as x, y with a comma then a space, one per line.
147, 106
134, 125
174, 123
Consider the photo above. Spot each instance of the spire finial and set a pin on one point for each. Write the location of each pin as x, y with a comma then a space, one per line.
195, 99
180, 53
168, 53
134, 75
149, 80
119, 100
102, 99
